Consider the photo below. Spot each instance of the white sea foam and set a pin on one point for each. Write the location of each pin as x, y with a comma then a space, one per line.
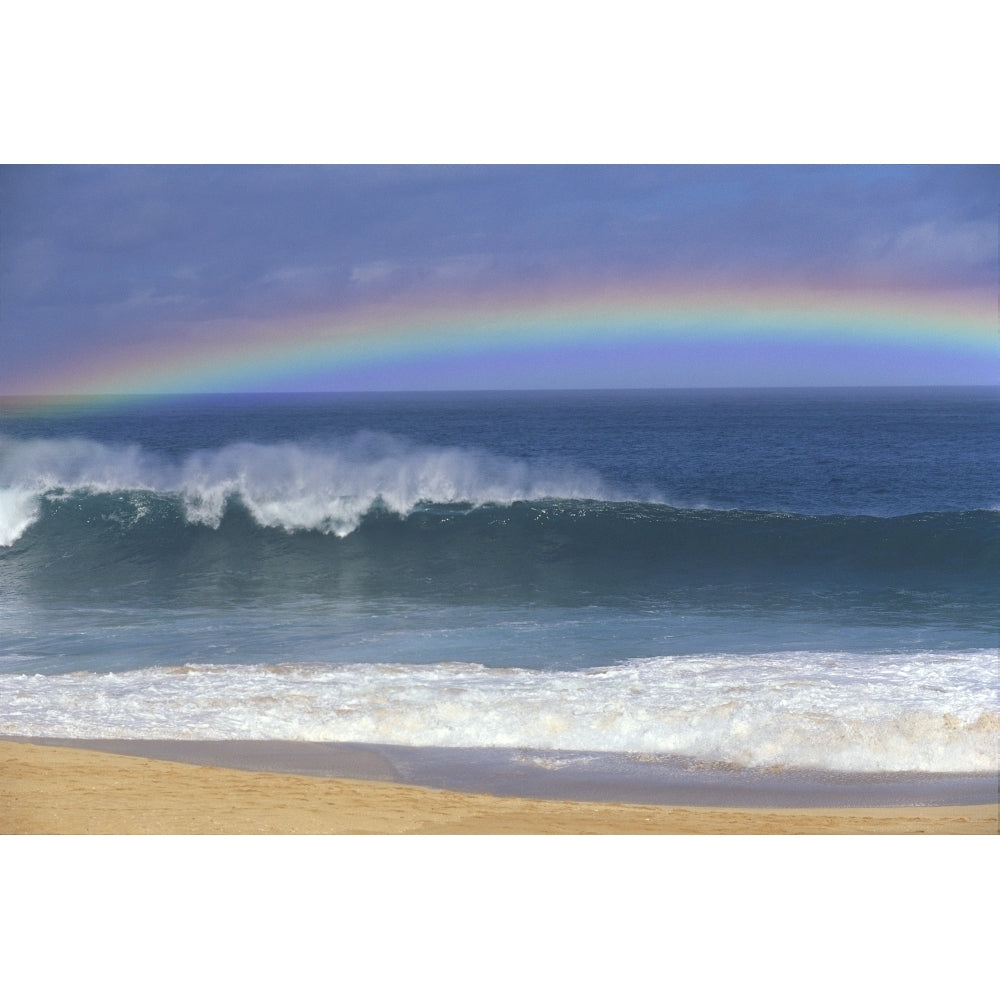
18, 511
322, 486
929, 712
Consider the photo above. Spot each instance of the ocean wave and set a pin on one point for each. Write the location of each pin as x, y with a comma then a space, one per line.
853, 712
138, 546
376, 515
326, 487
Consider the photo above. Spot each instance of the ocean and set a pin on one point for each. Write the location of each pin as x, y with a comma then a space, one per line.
687, 583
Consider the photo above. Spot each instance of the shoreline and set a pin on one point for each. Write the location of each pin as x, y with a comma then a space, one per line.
49, 787
578, 776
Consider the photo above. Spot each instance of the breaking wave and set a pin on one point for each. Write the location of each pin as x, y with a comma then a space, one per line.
376, 514
319, 487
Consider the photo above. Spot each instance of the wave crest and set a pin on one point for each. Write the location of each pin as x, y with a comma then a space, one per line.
326, 486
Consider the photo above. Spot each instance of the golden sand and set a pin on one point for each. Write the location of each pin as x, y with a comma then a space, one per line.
45, 789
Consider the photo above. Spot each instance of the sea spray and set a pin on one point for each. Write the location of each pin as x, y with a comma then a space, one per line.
323, 487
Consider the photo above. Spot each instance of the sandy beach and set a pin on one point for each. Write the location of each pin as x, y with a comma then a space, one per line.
63, 790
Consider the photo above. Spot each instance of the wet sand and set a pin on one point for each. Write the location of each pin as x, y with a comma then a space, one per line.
48, 789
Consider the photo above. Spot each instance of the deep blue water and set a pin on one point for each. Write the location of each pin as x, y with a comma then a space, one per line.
561, 531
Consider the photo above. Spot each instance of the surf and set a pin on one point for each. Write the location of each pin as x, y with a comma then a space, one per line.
325, 487
838, 712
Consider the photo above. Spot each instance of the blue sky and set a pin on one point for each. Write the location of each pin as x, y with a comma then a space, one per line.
101, 261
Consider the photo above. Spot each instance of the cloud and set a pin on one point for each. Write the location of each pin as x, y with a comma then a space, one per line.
455, 269
962, 253
938, 243
460, 268
148, 300
374, 273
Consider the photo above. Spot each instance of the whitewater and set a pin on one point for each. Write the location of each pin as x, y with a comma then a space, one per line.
290, 486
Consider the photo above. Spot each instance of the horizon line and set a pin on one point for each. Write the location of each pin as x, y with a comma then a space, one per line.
95, 396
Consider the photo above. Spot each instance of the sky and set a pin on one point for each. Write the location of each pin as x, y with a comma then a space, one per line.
276, 278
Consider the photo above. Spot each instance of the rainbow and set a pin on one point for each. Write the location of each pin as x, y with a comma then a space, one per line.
235, 356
